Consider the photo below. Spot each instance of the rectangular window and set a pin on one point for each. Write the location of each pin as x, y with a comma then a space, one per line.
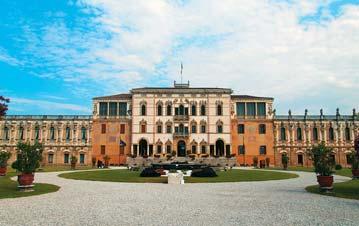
82, 158
241, 150
228, 150
159, 149
66, 158
315, 134
263, 150
150, 149
135, 149
211, 149
122, 108
169, 129
113, 109
194, 149
203, 129
220, 129
282, 134
50, 158
168, 149
194, 129
143, 128
159, 129
103, 149
262, 128
103, 128
122, 128
240, 128
103, 108
176, 129
203, 149
261, 109
251, 109
241, 109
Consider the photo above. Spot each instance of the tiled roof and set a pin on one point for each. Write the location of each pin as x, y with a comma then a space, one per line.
251, 97
117, 96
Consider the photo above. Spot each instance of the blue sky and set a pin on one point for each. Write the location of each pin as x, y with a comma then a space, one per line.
56, 55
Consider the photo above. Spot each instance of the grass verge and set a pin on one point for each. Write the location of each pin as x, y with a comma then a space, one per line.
134, 176
348, 189
8, 188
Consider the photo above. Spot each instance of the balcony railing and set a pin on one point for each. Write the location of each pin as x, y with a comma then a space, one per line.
181, 135
181, 118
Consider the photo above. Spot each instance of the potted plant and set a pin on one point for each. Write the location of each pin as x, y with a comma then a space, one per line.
73, 161
157, 155
28, 160
192, 156
205, 155
285, 160
355, 159
255, 161
106, 159
4, 157
323, 165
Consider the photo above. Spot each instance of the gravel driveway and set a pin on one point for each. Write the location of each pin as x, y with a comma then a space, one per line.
283, 202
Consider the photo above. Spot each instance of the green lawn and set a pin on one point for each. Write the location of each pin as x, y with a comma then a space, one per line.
134, 176
343, 172
8, 188
348, 189
55, 168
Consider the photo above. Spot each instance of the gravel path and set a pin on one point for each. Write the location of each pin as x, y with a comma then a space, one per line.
282, 202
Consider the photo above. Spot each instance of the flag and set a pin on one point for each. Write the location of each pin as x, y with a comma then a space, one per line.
122, 143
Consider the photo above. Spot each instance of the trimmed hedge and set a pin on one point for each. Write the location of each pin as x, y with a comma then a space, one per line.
149, 172
204, 172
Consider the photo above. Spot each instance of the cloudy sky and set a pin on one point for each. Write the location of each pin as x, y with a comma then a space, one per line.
56, 55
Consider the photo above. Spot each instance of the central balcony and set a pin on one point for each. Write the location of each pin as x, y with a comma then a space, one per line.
180, 135
180, 118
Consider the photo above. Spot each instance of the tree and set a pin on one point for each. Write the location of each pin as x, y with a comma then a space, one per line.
3, 105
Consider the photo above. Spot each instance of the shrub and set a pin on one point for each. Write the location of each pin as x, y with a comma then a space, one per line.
255, 161
149, 172
322, 160
157, 155
285, 160
28, 157
204, 172
73, 159
93, 161
338, 167
4, 157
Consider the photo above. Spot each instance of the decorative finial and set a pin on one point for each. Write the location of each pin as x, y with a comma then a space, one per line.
321, 112
305, 114
337, 113
354, 112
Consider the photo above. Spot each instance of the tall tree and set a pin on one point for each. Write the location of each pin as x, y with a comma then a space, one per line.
3, 105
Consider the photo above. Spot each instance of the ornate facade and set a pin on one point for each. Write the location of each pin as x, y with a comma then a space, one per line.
209, 123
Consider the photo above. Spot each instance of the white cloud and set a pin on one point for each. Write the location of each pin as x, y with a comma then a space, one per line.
47, 105
261, 49
5, 57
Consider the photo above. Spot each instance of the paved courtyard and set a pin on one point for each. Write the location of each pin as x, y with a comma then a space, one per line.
282, 202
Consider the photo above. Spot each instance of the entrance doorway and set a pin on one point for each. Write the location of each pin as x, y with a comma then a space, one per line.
220, 147
143, 147
300, 160
181, 148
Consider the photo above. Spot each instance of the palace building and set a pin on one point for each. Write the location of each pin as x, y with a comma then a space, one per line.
200, 124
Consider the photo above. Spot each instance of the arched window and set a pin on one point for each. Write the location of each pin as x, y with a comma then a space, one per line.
37, 133
299, 134
159, 110
21, 133
194, 128
220, 128
315, 134
143, 109
347, 134
203, 110
219, 109
203, 127
331, 134
52, 133
6, 133
159, 127
169, 110
193, 110
83, 133
68, 133
283, 135
181, 128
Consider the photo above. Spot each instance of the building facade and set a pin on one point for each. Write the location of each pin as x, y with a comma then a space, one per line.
180, 121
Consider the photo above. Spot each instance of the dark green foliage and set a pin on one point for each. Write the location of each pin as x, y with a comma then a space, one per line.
3, 105
149, 172
285, 160
322, 160
28, 157
204, 172
4, 157
338, 167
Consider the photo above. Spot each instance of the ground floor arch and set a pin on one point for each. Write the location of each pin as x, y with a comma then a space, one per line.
219, 147
142, 146
181, 148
